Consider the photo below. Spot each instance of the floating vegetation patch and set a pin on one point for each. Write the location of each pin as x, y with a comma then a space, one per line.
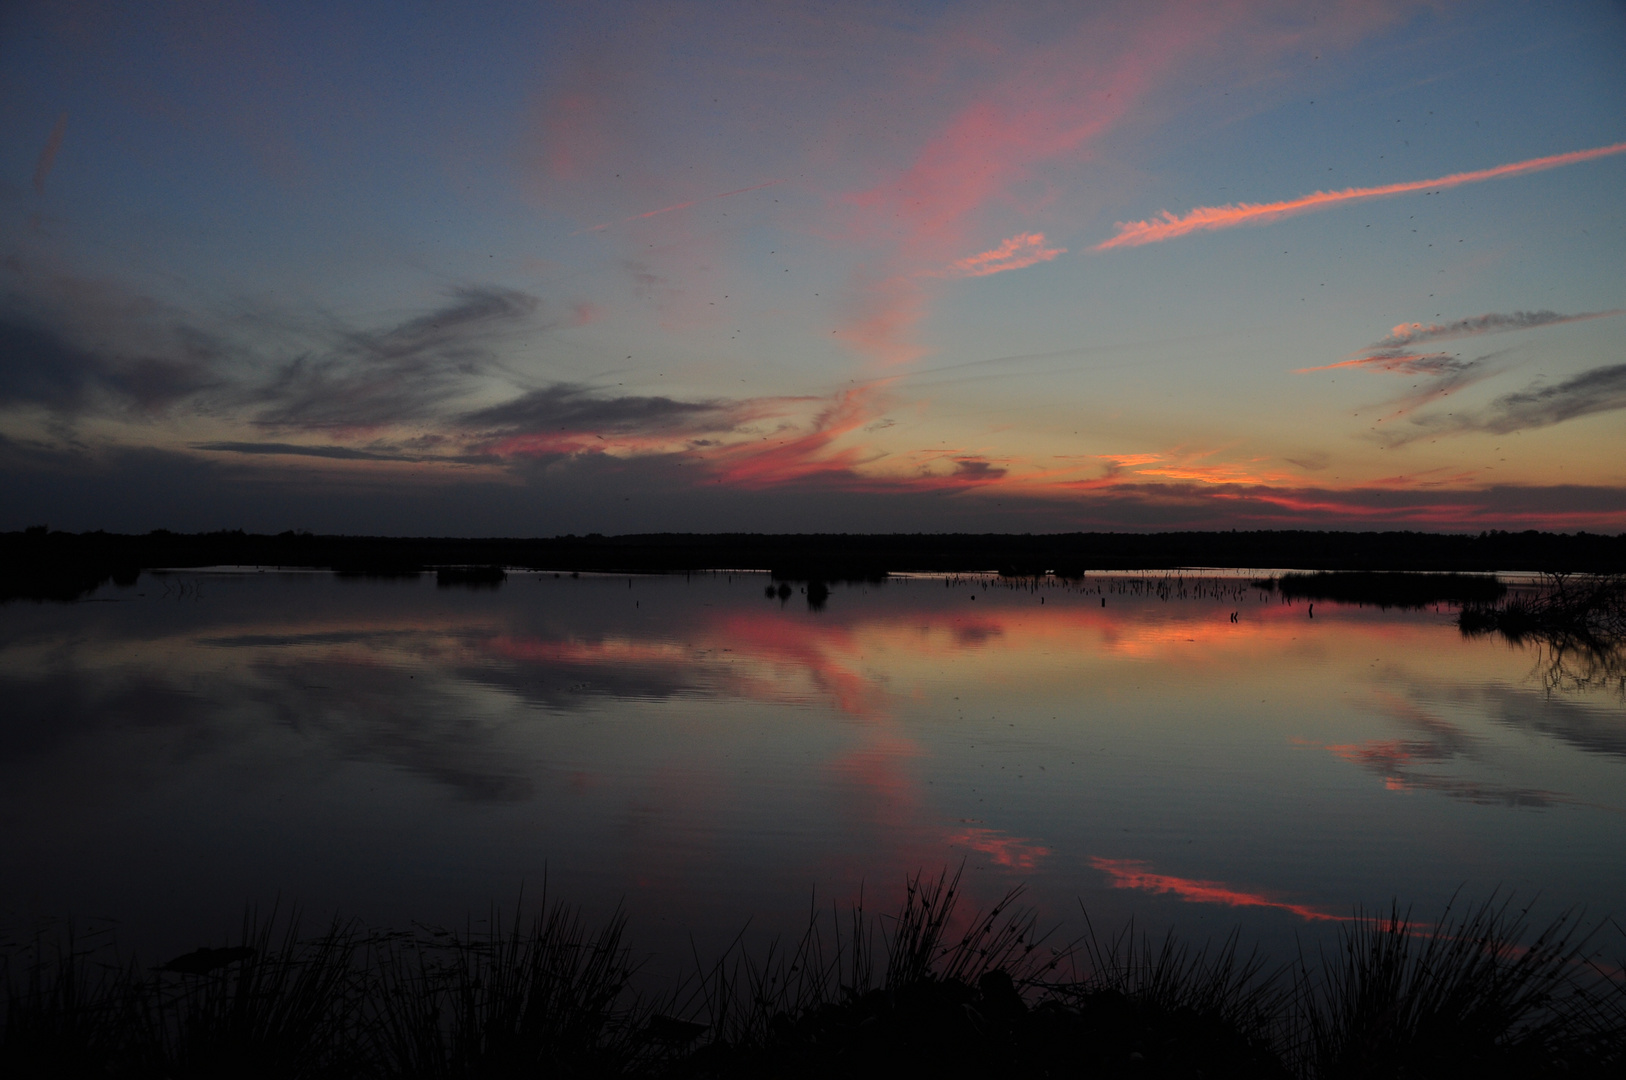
470, 577
1391, 589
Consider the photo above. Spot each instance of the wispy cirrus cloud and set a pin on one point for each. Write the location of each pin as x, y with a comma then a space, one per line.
1021, 250
41, 366
1046, 104
1396, 351
800, 455
359, 380
337, 453
1168, 226
1408, 334
1599, 390
568, 418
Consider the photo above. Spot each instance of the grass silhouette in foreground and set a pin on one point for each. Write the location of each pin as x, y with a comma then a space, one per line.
922, 991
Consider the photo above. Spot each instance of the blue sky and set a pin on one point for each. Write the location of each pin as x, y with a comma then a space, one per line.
631, 267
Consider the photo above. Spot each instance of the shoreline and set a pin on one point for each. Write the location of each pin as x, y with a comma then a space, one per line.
39, 564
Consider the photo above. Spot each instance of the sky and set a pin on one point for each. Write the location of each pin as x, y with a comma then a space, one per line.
533, 269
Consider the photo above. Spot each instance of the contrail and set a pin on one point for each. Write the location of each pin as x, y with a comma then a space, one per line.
47, 158
678, 206
1207, 218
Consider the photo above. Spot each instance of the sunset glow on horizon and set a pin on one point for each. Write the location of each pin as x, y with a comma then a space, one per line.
541, 269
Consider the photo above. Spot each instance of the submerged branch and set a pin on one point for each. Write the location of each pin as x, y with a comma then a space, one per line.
1577, 621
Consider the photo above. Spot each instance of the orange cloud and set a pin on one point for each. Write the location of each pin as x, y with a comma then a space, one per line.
1183, 467
1167, 226
1134, 874
1021, 250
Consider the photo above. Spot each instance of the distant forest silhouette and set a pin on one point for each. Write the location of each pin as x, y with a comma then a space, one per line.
41, 564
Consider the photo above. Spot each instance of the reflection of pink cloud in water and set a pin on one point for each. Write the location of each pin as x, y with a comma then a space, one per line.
877, 771
1012, 852
827, 653
865, 662
1134, 874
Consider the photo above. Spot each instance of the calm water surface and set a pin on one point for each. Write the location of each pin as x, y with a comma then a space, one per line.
703, 754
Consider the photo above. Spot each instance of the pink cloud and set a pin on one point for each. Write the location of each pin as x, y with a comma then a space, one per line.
1049, 107
882, 316
584, 313
1021, 250
1168, 226
799, 457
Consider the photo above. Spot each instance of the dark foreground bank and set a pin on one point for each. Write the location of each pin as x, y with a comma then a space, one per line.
41, 564
924, 992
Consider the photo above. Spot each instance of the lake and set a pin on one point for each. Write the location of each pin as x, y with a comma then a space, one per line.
1190, 751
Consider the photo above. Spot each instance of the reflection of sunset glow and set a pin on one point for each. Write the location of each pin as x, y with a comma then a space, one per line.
1134, 874
865, 663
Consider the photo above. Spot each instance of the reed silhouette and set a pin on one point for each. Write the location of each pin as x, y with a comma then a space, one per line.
921, 990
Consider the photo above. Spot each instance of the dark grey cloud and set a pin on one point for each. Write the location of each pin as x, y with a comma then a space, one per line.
76, 348
412, 371
341, 453
1599, 390
1602, 389
574, 408
1402, 353
337, 453
1433, 365
40, 367
1406, 336
975, 468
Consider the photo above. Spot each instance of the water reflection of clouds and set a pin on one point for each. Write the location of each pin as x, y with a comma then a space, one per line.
1009, 852
365, 713
1582, 725
57, 708
1136, 874
1438, 752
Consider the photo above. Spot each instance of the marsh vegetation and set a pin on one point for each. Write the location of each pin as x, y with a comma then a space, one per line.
927, 989
1577, 623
